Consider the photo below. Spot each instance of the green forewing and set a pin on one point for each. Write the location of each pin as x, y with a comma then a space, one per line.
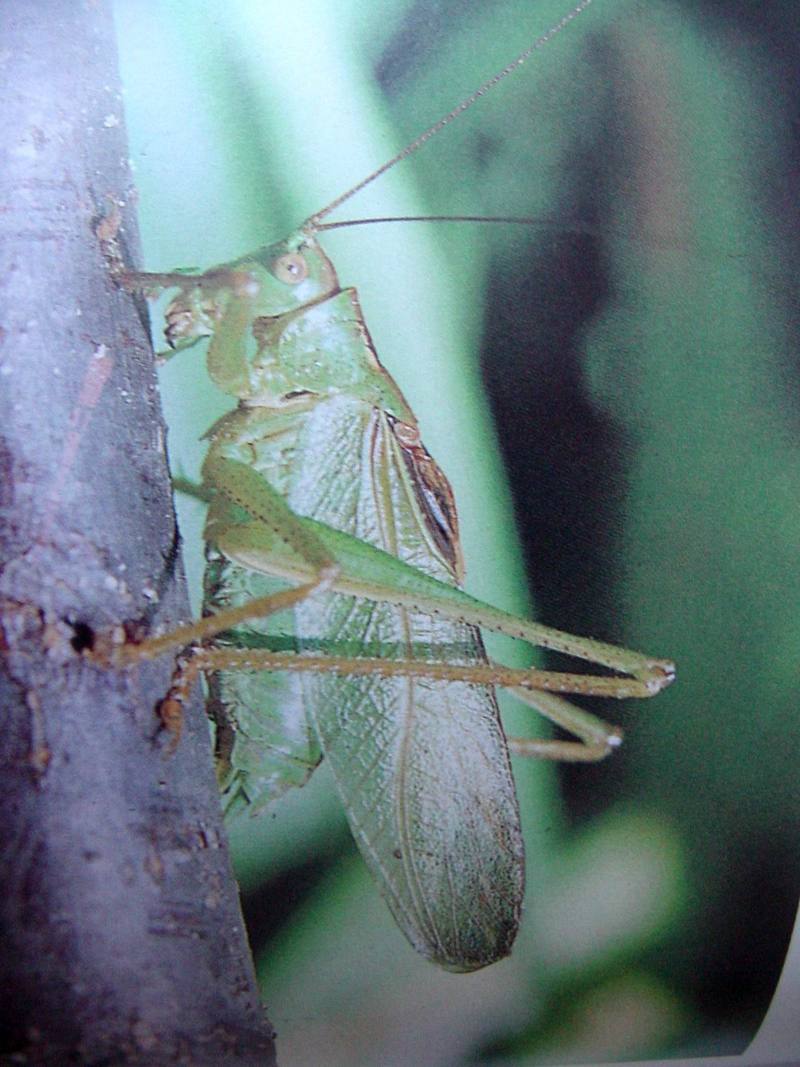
421, 766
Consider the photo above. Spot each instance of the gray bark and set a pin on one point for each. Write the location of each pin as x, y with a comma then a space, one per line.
122, 939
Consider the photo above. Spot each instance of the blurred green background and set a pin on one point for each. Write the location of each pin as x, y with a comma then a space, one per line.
613, 393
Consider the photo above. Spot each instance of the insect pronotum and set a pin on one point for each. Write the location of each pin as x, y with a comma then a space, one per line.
334, 622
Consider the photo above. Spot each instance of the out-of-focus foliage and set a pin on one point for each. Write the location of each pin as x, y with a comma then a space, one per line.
639, 357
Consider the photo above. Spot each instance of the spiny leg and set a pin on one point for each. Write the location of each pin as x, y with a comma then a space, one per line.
217, 304
321, 558
365, 571
240, 485
409, 588
596, 738
187, 666
537, 688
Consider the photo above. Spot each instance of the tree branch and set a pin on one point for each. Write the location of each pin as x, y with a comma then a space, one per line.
122, 936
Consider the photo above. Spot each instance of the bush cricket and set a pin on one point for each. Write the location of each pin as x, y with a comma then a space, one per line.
334, 621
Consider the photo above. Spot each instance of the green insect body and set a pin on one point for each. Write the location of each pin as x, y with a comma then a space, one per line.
421, 765
335, 625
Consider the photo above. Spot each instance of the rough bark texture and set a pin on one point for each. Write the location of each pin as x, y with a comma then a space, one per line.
122, 936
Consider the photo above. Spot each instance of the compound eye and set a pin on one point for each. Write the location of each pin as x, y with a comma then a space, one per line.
290, 268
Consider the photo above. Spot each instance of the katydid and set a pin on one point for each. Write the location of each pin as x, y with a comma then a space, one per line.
334, 622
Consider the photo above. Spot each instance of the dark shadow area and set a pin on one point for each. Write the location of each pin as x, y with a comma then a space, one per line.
277, 902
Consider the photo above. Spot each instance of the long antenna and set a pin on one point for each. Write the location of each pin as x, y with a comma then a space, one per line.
313, 222
516, 220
